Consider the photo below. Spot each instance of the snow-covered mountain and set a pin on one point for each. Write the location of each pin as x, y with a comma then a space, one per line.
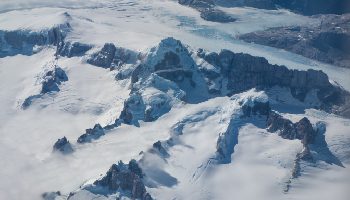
124, 99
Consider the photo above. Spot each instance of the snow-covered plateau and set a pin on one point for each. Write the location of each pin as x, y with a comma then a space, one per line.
161, 99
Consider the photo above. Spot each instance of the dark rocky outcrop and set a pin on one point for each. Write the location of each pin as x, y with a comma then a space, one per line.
159, 148
25, 41
72, 49
258, 108
305, 131
243, 72
124, 177
301, 130
103, 58
91, 134
50, 195
50, 82
113, 57
329, 42
134, 110
228, 139
226, 143
315, 149
276, 122
63, 145
53, 79
208, 10
216, 15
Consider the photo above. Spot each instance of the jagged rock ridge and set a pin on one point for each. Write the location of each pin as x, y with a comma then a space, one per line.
91, 134
26, 41
124, 179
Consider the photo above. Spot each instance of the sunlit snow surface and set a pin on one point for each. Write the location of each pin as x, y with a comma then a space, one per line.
261, 163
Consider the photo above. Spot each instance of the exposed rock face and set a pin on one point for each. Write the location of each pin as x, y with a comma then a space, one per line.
329, 42
237, 72
259, 108
24, 41
315, 149
305, 131
226, 143
105, 57
276, 122
301, 130
159, 147
137, 107
170, 67
91, 134
125, 177
69, 49
112, 57
251, 106
208, 10
255, 72
134, 109
53, 79
63, 145
168, 63
50, 82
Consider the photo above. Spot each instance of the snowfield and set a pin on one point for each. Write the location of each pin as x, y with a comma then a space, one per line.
209, 148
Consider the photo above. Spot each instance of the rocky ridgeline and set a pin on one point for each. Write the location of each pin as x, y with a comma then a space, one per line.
244, 72
160, 148
25, 41
237, 72
125, 179
28, 42
301, 130
315, 147
112, 57
72, 49
328, 42
91, 134
251, 106
49, 81
53, 79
